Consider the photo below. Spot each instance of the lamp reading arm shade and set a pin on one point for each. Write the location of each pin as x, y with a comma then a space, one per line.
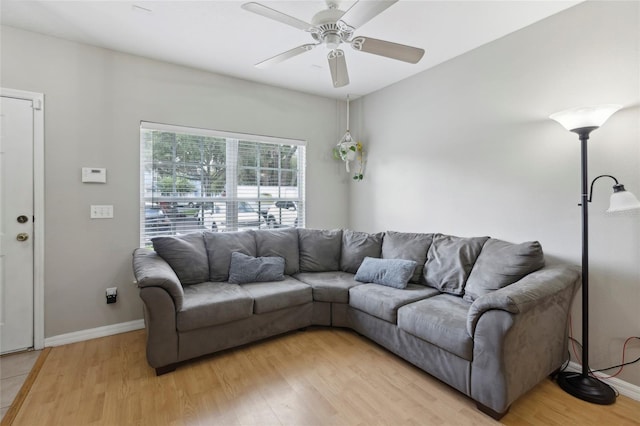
581, 117
622, 200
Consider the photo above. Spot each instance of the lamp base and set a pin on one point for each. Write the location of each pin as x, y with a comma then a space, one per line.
586, 388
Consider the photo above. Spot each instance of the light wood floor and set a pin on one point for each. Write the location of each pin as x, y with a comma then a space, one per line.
317, 377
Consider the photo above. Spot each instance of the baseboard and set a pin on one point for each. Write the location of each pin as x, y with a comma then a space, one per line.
93, 333
624, 388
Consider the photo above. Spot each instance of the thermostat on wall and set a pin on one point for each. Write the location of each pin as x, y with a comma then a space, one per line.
95, 175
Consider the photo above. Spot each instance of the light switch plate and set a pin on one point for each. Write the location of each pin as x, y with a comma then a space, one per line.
102, 212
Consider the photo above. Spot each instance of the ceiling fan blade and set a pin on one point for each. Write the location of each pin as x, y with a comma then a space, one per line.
391, 50
285, 55
267, 12
363, 11
338, 67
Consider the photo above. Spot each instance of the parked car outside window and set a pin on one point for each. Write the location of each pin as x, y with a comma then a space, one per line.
156, 222
213, 216
282, 214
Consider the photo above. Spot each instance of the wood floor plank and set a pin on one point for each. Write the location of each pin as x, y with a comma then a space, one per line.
318, 377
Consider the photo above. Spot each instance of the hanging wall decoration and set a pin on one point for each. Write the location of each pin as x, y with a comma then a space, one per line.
350, 151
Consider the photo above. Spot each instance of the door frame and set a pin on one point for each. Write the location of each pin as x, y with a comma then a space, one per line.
38, 208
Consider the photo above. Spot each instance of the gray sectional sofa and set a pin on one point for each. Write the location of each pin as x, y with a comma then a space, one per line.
483, 315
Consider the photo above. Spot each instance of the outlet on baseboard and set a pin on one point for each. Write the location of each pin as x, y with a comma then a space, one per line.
112, 294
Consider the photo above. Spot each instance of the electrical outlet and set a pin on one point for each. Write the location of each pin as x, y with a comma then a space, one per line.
112, 294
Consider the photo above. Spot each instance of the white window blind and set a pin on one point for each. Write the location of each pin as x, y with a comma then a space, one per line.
197, 179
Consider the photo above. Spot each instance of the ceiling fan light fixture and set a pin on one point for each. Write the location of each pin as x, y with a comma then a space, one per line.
332, 41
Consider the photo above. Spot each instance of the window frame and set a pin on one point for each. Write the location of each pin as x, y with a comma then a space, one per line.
150, 197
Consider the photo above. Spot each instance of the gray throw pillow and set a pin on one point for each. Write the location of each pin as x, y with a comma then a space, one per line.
501, 263
409, 246
248, 269
356, 246
449, 262
390, 272
187, 256
282, 243
220, 245
319, 250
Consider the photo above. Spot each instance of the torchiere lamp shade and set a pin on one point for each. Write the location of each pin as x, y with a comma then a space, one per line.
581, 117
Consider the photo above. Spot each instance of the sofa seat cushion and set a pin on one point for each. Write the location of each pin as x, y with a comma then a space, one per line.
383, 302
275, 295
441, 321
210, 303
329, 286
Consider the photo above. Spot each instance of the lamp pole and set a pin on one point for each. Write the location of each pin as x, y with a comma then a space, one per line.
583, 133
582, 385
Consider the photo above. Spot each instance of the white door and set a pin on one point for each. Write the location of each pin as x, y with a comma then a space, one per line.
16, 224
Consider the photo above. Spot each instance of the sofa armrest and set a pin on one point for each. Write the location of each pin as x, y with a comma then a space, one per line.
160, 323
150, 270
525, 294
520, 335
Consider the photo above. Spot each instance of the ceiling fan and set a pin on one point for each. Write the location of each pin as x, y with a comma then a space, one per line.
332, 27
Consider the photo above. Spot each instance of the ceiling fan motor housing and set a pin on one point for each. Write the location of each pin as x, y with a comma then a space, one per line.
326, 29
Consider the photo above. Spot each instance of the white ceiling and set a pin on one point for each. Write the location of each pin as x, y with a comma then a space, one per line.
221, 37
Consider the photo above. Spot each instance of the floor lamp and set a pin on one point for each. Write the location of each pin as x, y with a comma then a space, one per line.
583, 121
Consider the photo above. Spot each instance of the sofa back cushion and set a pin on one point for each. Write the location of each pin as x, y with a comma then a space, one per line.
408, 246
449, 262
501, 263
356, 246
186, 255
220, 245
319, 250
282, 243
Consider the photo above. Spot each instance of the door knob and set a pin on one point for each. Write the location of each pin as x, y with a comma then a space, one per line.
23, 236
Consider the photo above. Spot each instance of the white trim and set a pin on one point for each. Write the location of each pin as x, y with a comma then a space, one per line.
93, 333
38, 209
146, 125
624, 388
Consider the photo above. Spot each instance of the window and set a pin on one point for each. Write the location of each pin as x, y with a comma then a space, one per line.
196, 179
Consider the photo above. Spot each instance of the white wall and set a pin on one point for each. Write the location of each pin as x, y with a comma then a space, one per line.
466, 148
94, 102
